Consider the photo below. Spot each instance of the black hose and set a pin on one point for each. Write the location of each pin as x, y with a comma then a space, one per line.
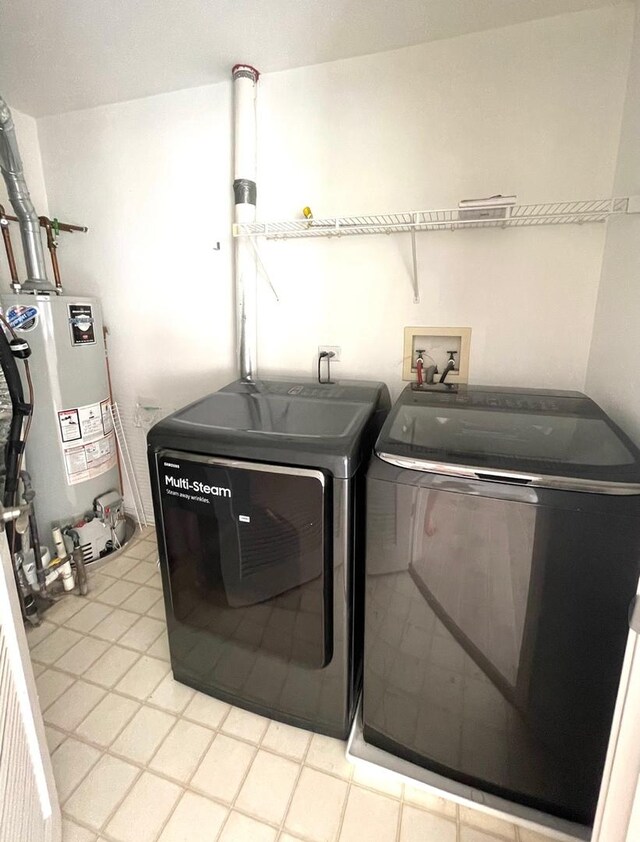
15, 445
13, 450
28, 495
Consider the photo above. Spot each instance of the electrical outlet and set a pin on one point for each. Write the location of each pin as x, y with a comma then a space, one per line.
337, 350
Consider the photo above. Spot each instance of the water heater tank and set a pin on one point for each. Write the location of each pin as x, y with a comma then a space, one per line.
71, 451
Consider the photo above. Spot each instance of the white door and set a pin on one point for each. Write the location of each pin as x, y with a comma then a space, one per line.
29, 807
618, 816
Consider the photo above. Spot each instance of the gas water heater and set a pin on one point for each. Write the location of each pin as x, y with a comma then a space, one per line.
71, 451
71, 447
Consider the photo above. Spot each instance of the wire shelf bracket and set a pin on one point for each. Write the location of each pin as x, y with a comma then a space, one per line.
448, 219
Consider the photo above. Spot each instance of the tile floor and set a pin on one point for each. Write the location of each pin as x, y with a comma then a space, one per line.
138, 757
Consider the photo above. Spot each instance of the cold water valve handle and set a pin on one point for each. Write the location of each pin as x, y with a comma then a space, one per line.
419, 365
450, 366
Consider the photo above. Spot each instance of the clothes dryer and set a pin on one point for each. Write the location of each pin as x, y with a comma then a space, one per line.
258, 497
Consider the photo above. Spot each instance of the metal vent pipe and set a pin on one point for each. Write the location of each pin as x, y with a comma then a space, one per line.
245, 81
11, 166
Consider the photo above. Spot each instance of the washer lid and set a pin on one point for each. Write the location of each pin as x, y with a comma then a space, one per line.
292, 422
553, 439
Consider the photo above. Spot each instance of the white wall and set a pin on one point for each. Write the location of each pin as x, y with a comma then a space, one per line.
27, 134
533, 109
613, 377
150, 179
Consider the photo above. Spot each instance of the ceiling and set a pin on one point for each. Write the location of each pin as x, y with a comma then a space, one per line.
63, 55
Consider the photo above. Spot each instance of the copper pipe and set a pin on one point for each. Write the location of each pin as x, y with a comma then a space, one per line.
6, 236
61, 226
48, 225
105, 333
45, 222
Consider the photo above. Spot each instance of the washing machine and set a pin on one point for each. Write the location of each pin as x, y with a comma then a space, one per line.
258, 494
503, 554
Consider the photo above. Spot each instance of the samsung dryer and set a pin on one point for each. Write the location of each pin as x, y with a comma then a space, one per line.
258, 495
501, 562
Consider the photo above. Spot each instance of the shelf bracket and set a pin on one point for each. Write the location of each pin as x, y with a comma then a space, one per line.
262, 268
414, 260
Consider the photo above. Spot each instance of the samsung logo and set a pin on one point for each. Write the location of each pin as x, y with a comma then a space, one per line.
197, 487
170, 465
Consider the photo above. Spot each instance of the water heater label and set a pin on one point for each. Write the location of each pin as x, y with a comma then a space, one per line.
82, 326
22, 318
69, 422
107, 420
88, 441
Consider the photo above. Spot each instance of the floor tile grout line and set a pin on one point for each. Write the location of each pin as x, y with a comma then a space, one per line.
219, 729
301, 764
179, 719
80, 823
43, 709
127, 792
106, 748
142, 767
261, 747
88, 599
141, 655
343, 810
188, 787
145, 767
146, 701
88, 667
95, 763
171, 812
112, 608
215, 731
85, 634
401, 813
90, 711
111, 689
245, 776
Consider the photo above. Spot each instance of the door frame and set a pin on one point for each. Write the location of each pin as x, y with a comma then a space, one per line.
618, 814
20, 675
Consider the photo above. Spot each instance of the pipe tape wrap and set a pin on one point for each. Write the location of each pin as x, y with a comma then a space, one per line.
245, 71
244, 191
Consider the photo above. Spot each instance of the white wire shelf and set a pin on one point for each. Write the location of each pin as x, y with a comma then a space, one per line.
449, 219
498, 216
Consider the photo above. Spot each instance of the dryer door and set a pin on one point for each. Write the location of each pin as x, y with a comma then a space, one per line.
246, 553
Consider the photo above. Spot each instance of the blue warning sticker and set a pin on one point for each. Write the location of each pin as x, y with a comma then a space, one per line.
22, 318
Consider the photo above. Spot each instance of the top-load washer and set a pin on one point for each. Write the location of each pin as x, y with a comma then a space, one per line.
503, 552
258, 495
